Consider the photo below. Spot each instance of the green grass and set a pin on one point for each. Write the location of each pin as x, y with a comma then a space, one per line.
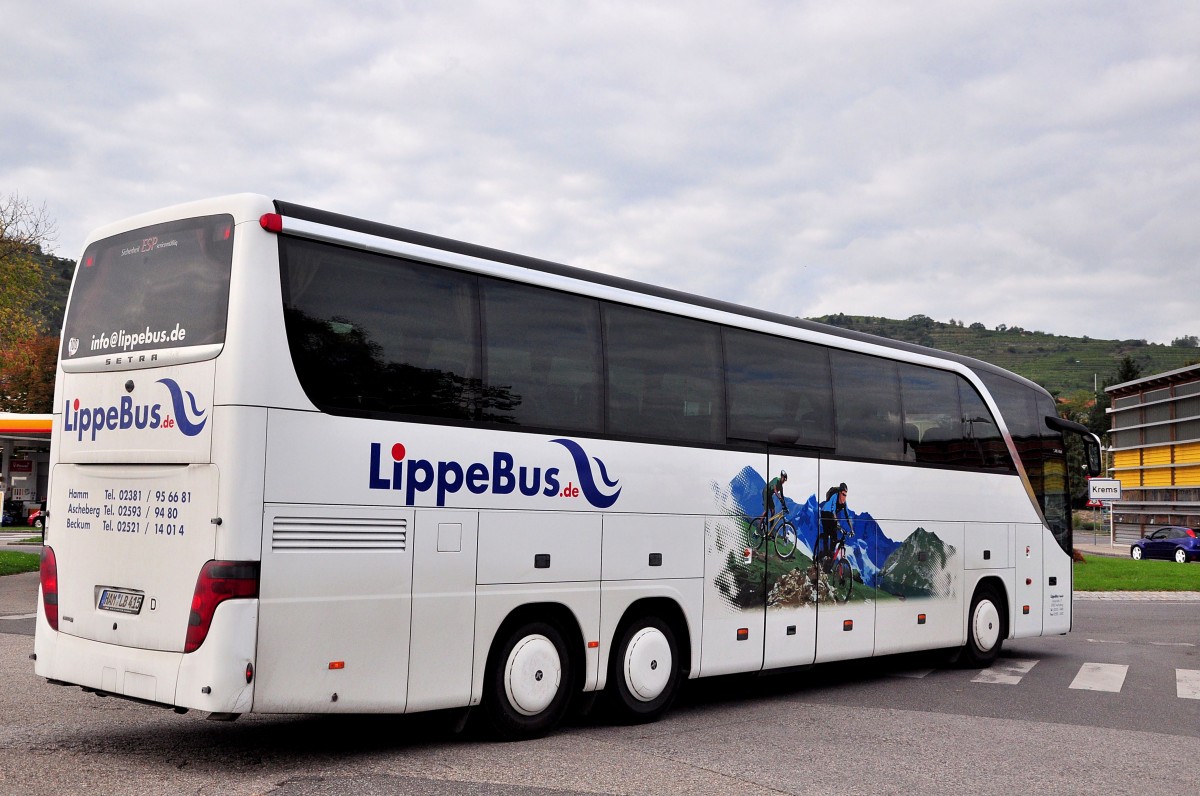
12, 562
1124, 574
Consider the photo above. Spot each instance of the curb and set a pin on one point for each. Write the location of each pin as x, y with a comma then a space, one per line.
1138, 596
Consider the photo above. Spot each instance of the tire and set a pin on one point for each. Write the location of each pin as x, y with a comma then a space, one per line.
644, 671
757, 535
785, 540
841, 580
1135, 553
529, 683
985, 629
1181, 556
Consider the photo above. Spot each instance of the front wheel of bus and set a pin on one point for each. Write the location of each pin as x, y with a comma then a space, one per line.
985, 627
643, 674
529, 681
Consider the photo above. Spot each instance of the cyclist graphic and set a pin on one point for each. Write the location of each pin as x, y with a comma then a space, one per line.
773, 487
833, 511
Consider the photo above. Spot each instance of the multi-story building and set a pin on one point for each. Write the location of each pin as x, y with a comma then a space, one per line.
1155, 435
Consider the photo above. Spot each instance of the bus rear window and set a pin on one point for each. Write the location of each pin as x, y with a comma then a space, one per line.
158, 288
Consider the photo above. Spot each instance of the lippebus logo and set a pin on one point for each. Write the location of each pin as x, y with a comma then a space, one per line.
125, 415
501, 475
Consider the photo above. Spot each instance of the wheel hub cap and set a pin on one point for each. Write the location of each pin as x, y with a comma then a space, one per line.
987, 625
532, 675
647, 664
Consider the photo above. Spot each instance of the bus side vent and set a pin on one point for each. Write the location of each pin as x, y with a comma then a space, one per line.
331, 533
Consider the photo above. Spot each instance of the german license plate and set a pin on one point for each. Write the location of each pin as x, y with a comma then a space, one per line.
123, 602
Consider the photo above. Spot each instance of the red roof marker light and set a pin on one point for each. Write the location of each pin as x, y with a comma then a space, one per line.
271, 222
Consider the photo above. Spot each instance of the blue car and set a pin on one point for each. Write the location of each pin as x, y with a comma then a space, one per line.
1173, 542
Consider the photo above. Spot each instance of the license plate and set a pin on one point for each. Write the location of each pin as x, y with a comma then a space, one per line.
123, 602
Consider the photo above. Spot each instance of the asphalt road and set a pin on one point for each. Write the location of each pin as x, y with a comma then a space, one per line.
897, 725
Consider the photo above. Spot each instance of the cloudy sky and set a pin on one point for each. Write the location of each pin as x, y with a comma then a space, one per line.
1022, 162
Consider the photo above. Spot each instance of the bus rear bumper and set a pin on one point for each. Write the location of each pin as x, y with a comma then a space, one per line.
217, 678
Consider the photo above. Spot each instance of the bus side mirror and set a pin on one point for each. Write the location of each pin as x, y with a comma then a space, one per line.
1091, 443
1091, 448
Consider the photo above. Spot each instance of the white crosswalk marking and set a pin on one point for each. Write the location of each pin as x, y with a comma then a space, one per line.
1100, 677
1106, 677
1005, 672
1187, 683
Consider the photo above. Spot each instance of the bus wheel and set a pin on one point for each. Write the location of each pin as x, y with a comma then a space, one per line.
529, 677
643, 673
985, 628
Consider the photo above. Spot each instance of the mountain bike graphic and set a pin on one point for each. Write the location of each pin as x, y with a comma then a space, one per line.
780, 530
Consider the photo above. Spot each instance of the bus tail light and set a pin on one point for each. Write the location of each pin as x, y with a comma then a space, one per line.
49, 575
271, 222
219, 581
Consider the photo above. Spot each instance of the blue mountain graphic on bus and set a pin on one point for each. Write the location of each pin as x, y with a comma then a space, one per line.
183, 419
587, 479
869, 548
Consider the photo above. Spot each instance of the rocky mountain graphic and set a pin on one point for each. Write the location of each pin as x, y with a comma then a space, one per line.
918, 568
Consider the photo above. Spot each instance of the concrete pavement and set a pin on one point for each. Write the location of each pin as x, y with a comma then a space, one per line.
18, 594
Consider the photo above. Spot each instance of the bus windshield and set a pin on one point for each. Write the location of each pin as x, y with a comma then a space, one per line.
1041, 449
150, 289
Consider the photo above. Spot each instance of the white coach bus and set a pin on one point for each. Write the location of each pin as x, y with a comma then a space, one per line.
304, 462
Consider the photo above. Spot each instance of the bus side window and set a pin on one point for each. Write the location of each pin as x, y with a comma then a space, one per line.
779, 390
542, 350
867, 393
658, 367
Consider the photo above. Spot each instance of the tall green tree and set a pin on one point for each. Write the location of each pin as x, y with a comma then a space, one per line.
1128, 369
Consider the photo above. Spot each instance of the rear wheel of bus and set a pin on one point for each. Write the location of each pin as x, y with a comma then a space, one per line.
529, 681
644, 671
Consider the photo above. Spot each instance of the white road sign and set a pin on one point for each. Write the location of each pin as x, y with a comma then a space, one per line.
1104, 489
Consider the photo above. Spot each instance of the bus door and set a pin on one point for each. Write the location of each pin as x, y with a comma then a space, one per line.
786, 555
845, 601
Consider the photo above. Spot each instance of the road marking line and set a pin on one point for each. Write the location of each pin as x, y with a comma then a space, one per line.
1171, 644
1187, 683
1101, 677
1105, 641
20, 616
1006, 672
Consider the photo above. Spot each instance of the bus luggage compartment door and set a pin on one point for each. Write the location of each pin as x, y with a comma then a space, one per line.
334, 609
443, 609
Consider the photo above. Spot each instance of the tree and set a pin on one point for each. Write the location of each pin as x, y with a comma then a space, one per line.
24, 230
27, 375
1187, 341
1127, 370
